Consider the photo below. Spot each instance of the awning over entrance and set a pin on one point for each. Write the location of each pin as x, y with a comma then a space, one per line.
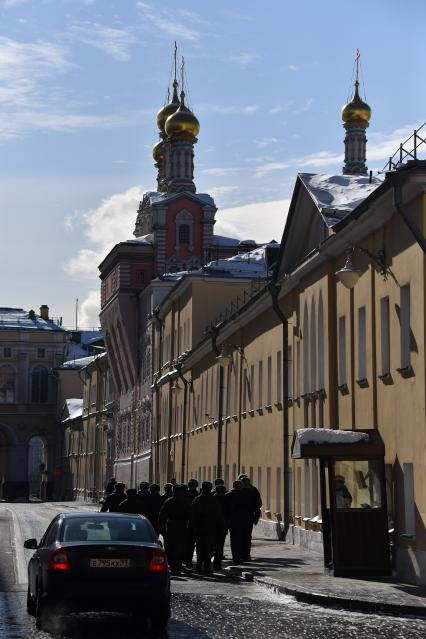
314, 443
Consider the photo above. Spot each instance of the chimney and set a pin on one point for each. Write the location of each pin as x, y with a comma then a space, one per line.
44, 311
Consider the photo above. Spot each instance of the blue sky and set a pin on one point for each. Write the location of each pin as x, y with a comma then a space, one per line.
81, 81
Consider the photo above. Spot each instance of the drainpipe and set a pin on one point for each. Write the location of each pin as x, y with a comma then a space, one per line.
274, 289
157, 321
219, 472
187, 383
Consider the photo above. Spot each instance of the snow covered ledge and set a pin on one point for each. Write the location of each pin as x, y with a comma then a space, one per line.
325, 437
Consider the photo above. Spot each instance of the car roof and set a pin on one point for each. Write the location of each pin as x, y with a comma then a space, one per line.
99, 515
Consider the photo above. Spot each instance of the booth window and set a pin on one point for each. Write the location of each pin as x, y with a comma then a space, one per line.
357, 484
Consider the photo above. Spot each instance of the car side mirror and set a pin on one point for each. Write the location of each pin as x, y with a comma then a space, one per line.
31, 544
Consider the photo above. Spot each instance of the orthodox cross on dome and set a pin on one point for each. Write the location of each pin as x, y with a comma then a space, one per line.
356, 116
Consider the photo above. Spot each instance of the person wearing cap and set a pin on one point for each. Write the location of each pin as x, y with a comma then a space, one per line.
240, 517
144, 497
173, 525
132, 505
206, 516
191, 494
113, 500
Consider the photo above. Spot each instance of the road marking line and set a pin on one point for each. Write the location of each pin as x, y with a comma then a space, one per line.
20, 563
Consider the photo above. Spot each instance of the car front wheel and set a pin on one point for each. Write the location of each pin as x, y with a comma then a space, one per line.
31, 607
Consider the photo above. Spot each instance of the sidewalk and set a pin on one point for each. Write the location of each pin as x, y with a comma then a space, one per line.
291, 570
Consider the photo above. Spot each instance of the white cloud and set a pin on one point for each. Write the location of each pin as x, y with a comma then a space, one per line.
11, 4
306, 106
293, 67
263, 142
162, 20
242, 59
220, 171
261, 221
281, 108
112, 41
89, 310
229, 109
111, 222
30, 99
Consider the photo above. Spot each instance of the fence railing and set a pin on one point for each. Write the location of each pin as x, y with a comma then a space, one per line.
407, 149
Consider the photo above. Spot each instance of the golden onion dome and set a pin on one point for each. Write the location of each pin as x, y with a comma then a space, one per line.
158, 152
182, 124
168, 108
356, 109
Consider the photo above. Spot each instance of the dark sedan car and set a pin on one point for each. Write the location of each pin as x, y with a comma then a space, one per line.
98, 562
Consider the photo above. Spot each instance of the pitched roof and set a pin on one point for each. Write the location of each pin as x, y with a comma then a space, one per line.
12, 319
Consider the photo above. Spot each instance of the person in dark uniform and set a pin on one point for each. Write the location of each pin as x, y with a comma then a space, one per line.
222, 526
205, 517
255, 504
144, 497
168, 492
218, 482
113, 500
109, 488
191, 494
240, 517
173, 525
132, 505
156, 503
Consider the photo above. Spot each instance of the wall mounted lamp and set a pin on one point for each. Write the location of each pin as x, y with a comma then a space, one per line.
176, 388
225, 356
349, 274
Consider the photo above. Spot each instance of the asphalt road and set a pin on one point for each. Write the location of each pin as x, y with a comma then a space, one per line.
202, 608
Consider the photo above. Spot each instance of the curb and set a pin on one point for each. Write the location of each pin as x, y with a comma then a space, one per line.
333, 601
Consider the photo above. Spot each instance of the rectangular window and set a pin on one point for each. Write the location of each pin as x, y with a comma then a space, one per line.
314, 488
269, 382
236, 384
234, 472
409, 503
228, 392
251, 387
405, 326
279, 379
342, 351
260, 393
362, 344
307, 511
41, 353
385, 335
7, 352
259, 479
245, 391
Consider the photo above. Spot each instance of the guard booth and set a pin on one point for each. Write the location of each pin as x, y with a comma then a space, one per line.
353, 498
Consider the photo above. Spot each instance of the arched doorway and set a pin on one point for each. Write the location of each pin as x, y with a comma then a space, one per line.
37, 465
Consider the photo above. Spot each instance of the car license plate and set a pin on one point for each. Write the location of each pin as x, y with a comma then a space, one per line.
110, 563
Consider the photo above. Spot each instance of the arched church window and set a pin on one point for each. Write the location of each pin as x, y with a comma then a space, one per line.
7, 384
39, 385
184, 234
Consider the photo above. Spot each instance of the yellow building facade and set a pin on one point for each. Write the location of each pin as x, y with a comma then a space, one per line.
306, 351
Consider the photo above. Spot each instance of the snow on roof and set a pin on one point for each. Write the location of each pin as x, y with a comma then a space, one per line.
244, 265
337, 195
74, 407
78, 364
18, 318
157, 197
329, 436
143, 239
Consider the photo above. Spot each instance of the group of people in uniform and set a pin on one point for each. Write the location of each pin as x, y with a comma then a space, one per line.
191, 519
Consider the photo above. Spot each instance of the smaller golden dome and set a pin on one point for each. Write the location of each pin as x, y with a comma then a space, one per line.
182, 124
158, 152
356, 109
168, 109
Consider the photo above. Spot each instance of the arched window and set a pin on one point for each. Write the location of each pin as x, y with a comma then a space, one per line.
39, 385
184, 234
7, 384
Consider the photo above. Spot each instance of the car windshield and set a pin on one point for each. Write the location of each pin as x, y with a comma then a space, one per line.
106, 529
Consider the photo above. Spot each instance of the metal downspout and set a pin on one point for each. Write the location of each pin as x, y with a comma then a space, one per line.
274, 289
